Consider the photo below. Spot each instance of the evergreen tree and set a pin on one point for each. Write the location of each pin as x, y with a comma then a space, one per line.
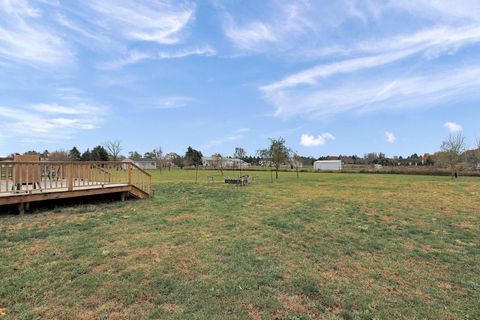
99, 153
74, 154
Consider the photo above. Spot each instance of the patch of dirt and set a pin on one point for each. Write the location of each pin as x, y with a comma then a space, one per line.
253, 311
465, 225
293, 303
172, 308
182, 217
387, 219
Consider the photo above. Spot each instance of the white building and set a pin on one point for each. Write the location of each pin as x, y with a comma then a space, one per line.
213, 162
328, 165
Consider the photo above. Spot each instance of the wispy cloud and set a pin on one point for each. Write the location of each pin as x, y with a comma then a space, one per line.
151, 21
432, 42
390, 137
136, 56
453, 127
249, 36
51, 121
172, 102
233, 136
375, 94
23, 38
308, 140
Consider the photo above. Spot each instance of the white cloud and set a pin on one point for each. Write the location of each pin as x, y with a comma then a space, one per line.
251, 35
453, 127
383, 93
311, 76
136, 56
24, 38
172, 102
60, 109
151, 21
51, 121
390, 136
432, 42
308, 140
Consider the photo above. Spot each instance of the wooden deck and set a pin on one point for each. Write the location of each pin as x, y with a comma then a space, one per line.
24, 182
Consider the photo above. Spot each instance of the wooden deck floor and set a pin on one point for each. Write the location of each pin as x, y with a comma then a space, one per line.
23, 182
28, 194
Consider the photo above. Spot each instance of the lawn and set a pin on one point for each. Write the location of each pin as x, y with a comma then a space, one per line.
322, 246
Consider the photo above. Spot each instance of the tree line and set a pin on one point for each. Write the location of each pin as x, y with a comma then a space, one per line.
453, 154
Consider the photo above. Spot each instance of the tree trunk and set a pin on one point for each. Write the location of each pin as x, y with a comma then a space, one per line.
276, 172
297, 172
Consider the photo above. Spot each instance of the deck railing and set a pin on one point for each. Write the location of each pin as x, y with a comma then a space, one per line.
29, 177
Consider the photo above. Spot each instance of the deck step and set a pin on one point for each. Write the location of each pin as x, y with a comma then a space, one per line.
139, 194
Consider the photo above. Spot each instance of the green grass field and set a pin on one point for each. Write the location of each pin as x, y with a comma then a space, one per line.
324, 246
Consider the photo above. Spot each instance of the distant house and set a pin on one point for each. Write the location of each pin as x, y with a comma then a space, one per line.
144, 163
213, 162
328, 165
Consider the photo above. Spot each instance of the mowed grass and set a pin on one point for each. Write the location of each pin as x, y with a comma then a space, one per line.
324, 246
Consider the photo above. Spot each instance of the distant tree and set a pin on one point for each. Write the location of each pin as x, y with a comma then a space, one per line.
173, 158
114, 148
278, 153
99, 153
156, 154
74, 154
193, 157
86, 155
58, 155
217, 160
134, 155
179, 162
239, 153
31, 153
45, 154
297, 161
451, 153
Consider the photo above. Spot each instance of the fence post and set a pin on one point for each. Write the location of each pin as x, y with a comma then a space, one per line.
129, 174
70, 177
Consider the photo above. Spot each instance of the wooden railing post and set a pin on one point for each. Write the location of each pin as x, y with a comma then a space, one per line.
70, 177
129, 174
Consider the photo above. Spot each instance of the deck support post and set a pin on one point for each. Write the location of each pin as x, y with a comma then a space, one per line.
21, 208
123, 196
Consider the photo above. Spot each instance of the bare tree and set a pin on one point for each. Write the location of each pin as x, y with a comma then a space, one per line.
114, 147
452, 151
218, 162
239, 153
58, 155
296, 161
158, 154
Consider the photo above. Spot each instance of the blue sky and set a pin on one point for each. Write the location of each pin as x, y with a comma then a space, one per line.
331, 77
